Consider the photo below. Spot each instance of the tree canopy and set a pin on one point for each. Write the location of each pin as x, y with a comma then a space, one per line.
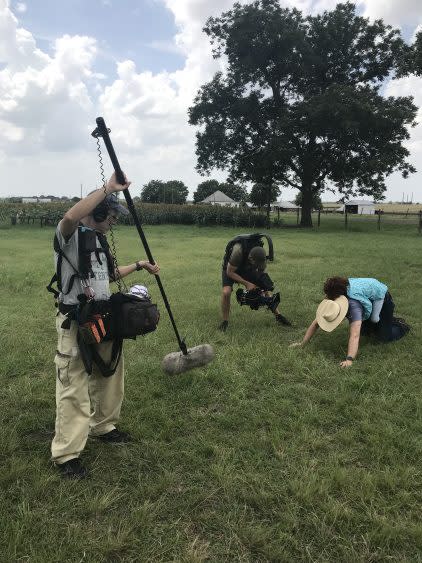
157, 191
205, 189
300, 102
263, 195
208, 187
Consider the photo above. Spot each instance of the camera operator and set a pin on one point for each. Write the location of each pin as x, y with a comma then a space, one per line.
86, 404
247, 267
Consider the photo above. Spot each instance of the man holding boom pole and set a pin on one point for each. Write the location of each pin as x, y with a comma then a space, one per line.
87, 403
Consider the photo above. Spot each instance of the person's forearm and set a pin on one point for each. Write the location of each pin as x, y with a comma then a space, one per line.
233, 275
353, 345
123, 271
310, 332
238, 279
86, 205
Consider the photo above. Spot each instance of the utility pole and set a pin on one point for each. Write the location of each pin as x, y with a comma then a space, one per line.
81, 191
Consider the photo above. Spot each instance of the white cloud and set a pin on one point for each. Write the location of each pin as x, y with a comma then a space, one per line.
411, 86
48, 102
40, 93
21, 7
394, 12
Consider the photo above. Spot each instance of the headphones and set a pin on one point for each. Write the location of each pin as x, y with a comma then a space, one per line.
100, 212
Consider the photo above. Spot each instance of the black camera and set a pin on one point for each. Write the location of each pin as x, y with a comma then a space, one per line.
256, 298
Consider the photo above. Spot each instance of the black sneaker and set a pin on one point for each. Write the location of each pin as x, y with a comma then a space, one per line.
72, 469
115, 437
223, 326
282, 320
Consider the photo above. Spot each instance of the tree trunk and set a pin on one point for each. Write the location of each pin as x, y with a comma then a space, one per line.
306, 216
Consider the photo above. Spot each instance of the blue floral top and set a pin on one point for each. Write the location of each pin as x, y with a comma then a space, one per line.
366, 290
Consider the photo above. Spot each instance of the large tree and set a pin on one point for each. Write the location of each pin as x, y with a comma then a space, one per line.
412, 58
157, 191
316, 200
175, 191
208, 187
300, 102
263, 195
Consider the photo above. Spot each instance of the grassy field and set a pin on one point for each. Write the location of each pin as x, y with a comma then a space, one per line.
330, 222
268, 454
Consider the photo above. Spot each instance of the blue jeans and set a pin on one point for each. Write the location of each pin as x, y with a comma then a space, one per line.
386, 330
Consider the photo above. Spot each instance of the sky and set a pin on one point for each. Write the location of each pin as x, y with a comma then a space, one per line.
138, 64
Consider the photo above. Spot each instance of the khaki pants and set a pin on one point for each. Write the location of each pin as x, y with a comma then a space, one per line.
85, 404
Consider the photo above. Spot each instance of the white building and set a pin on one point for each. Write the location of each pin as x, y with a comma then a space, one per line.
36, 200
358, 207
218, 198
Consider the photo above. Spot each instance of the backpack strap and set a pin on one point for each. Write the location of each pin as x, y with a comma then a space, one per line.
105, 248
57, 276
90, 355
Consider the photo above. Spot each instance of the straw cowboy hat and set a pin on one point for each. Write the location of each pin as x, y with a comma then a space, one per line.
330, 313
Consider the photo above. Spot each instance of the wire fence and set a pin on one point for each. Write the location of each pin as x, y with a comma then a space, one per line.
41, 215
328, 219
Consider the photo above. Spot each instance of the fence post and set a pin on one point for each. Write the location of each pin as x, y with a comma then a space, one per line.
379, 219
345, 217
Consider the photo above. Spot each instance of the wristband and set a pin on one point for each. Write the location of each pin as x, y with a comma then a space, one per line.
138, 266
350, 358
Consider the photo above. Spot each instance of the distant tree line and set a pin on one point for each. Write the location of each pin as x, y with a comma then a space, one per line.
176, 192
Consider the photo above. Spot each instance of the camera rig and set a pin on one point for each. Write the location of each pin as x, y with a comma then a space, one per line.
256, 298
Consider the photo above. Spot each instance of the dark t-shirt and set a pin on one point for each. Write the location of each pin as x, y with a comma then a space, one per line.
355, 310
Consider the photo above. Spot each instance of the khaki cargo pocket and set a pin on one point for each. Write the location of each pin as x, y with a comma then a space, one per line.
62, 362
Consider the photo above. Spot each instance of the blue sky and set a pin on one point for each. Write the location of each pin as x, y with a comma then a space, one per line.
141, 30
138, 63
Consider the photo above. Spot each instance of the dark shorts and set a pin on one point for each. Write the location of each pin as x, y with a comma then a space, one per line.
250, 276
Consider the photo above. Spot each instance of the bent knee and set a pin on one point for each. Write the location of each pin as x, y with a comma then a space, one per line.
227, 291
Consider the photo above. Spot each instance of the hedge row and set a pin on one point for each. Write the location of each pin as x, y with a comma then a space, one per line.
149, 214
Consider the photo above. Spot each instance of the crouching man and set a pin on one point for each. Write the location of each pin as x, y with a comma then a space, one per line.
87, 402
244, 262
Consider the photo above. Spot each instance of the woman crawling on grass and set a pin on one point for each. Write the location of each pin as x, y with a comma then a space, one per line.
366, 303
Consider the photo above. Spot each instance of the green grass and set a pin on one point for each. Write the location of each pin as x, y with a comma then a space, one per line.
267, 454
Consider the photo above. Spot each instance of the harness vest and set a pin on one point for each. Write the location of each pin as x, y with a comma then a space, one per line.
87, 243
248, 242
